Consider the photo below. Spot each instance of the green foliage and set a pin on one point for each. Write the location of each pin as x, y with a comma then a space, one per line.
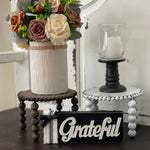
72, 28
75, 35
46, 13
10, 11
64, 2
41, 17
66, 8
72, 6
24, 31
34, 2
47, 7
75, 7
32, 9
23, 5
9, 16
29, 6
14, 37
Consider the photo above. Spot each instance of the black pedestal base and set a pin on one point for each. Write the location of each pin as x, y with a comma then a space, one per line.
117, 89
112, 77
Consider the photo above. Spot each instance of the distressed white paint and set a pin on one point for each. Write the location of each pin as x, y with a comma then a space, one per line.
71, 69
86, 10
91, 6
22, 80
48, 69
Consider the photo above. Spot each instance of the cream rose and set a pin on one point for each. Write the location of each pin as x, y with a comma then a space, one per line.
57, 29
55, 4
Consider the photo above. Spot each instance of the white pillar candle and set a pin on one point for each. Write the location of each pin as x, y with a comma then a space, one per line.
114, 47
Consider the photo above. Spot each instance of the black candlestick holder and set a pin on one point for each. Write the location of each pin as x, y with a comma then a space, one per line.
112, 76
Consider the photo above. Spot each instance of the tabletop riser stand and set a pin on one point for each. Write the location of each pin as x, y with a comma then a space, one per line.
93, 96
29, 96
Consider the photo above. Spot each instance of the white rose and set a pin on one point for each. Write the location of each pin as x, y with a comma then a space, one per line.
57, 29
55, 4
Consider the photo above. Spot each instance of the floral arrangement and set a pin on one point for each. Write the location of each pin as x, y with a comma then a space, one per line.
44, 20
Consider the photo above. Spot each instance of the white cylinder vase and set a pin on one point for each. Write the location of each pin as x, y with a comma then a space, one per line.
48, 68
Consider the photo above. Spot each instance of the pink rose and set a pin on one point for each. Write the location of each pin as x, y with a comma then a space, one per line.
74, 17
55, 4
37, 30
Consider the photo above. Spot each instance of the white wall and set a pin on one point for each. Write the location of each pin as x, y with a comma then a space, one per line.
136, 15
7, 85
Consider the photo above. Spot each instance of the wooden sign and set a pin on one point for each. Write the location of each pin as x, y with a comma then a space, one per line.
83, 127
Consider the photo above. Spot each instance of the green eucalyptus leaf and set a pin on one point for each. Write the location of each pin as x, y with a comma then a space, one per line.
75, 35
14, 37
75, 7
23, 5
34, 2
7, 18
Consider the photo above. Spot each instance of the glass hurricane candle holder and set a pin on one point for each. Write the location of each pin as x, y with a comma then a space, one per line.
111, 45
111, 49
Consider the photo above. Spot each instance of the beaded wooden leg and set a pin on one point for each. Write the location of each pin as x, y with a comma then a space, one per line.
74, 101
91, 105
22, 113
59, 106
132, 118
35, 121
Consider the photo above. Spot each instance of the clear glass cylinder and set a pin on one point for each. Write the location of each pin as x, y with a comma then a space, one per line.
111, 45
